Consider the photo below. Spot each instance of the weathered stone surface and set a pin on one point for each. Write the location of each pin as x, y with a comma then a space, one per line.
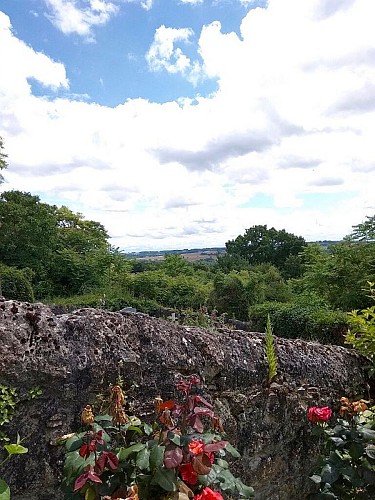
72, 357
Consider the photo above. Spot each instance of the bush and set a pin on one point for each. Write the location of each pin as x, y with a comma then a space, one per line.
16, 283
291, 320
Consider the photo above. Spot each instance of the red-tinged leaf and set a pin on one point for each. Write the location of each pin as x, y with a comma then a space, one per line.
80, 481
106, 459
172, 457
89, 475
201, 464
178, 409
196, 423
201, 399
219, 445
112, 461
201, 410
167, 405
85, 451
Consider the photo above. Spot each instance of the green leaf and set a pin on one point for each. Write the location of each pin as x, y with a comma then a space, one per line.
316, 478
15, 449
329, 474
222, 463
156, 456
101, 418
143, 459
166, 479
73, 443
356, 450
244, 490
370, 451
232, 450
4, 490
125, 452
147, 428
368, 434
90, 493
175, 438
208, 479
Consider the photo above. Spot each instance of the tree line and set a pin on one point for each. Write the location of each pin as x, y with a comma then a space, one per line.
54, 255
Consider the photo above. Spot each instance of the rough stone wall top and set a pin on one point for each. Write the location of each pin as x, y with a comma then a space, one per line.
72, 357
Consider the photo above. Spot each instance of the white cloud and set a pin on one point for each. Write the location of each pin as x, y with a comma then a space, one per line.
192, 2
165, 55
293, 117
77, 16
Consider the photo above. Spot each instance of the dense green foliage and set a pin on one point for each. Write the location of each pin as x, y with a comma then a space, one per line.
293, 320
16, 283
52, 254
361, 334
260, 245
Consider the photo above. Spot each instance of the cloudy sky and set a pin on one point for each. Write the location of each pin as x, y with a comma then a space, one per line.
180, 123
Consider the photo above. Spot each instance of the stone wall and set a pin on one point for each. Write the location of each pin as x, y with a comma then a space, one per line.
72, 357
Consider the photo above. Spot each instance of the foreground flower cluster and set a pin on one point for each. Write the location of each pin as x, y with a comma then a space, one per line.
175, 458
347, 468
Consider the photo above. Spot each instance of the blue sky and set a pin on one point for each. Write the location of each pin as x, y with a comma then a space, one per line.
180, 123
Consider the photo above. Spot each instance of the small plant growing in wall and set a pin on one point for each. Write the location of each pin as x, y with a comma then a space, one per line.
270, 351
8, 400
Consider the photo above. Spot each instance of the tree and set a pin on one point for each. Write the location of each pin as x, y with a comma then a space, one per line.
364, 231
338, 276
260, 245
3, 157
28, 231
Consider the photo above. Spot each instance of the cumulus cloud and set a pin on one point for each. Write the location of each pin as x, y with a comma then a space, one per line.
165, 55
293, 114
72, 16
30, 65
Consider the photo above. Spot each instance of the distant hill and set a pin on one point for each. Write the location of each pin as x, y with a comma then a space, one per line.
192, 254
196, 254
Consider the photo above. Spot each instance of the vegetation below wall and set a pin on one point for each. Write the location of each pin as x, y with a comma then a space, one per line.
53, 255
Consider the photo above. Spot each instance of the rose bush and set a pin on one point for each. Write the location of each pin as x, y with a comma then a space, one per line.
175, 458
346, 470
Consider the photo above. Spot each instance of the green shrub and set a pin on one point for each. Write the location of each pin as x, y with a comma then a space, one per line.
16, 283
291, 320
361, 334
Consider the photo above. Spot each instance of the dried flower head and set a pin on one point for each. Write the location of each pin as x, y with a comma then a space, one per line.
119, 417
117, 397
359, 406
217, 424
350, 409
157, 404
87, 416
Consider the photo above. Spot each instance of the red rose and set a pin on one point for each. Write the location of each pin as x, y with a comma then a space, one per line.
188, 474
208, 494
318, 414
196, 447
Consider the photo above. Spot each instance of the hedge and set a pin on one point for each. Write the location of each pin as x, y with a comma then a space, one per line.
291, 320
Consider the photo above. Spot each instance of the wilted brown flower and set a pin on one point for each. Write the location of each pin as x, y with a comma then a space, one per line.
119, 417
87, 416
217, 425
166, 419
157, 403
350, 409
359, 406
118, 397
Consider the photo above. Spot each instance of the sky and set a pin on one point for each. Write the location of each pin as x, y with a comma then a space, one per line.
181, 123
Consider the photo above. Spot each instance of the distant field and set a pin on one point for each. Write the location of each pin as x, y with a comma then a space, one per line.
205, 254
